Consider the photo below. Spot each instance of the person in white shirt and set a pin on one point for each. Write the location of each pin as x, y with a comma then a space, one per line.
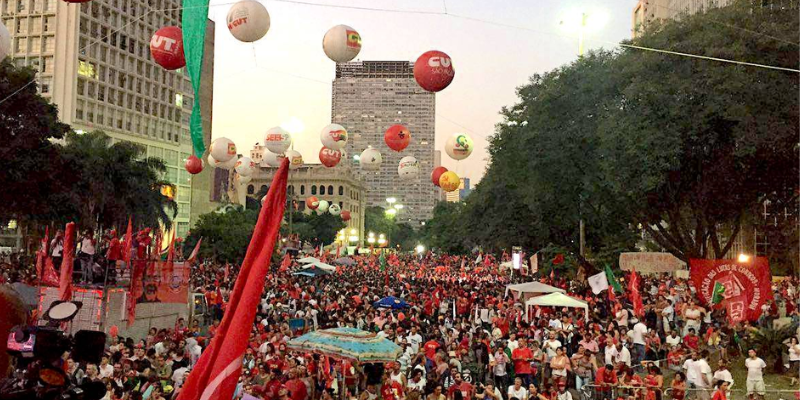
673, 339
512, 342
794, 357
722, 374
622, 317
668, 315
105, 369
414, 339
755, 375
490, 392
623, 355
610, 353
698, 374
638, 334
517, 390
551, 345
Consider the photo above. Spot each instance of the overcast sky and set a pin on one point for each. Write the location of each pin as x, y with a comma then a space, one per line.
286, 74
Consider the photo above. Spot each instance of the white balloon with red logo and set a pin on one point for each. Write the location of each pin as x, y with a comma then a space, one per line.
222, 149
245, 166
341, 43
270, 159
278, 140
334, 209
248, 20
370, 159
295, 159
333, 136
408, 168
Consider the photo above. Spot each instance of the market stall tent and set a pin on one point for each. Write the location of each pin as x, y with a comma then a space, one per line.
530, 289
556, 299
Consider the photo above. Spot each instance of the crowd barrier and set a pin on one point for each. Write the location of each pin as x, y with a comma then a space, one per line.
615, 392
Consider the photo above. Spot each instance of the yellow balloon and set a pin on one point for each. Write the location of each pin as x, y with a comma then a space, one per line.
449, 181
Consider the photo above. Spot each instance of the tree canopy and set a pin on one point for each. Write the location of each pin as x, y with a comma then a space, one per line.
630, 141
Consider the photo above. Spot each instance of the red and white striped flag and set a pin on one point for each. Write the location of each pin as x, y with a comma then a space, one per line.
217, 371
65, 283
196, 250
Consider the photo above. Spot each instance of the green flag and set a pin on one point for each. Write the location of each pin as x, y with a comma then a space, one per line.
193, 24
612, 280
382, 260
716, 294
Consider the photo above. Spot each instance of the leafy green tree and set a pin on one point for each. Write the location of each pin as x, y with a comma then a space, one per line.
769, 344
376, 221
314, 228
405, 236
29, 158
445, 231
226, 235
113, 182
631, 140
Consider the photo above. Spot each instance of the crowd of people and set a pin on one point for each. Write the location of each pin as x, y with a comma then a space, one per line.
462, 338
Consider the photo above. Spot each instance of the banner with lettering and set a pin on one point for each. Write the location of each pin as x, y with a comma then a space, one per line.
163, 288
748, 285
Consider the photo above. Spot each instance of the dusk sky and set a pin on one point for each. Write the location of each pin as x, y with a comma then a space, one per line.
286, 75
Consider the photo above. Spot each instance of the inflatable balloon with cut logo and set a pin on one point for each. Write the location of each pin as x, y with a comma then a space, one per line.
341, 43
346, 216
334, 209
449, 181
408, 168
166, 48
434, 71
333, 136
245, 166
397, 137
271, 159
459, 146
329, 157
312, 202
193, 165
436, 174
370, 159
295, 159
277, 140
248, 21
222, 149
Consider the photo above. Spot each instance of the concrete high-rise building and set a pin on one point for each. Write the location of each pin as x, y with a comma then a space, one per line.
647, 11
368, 98
94, 64
460, 194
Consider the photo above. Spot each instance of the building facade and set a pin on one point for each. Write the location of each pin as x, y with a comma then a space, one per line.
339, 185
94, 64
647, 11
368, 98
460, 194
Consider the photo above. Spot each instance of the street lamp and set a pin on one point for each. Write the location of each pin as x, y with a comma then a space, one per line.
391, 212
391, 200
371, 240
743, 258
420, 248
398, 207
583, 22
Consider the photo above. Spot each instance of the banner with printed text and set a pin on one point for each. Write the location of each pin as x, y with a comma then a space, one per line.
747, 285
165, 286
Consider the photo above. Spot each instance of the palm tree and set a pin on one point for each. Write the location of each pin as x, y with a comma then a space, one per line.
111, 182
769, 344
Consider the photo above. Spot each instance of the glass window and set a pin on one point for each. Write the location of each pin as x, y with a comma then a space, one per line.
313, 190
330, 189
302, 189
322, 189
341, 190
251, 189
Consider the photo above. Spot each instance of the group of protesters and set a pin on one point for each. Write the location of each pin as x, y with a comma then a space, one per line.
462, 338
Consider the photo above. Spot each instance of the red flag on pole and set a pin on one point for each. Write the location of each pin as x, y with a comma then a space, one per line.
128, 243
286, 263
217, 371
170, 265
65, 283
635, 295
196, 250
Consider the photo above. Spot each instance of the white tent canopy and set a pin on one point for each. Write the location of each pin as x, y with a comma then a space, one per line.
557, 300
319, 264
308, 260
529, 288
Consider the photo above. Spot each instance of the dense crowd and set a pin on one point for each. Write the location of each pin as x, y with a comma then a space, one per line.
462, 338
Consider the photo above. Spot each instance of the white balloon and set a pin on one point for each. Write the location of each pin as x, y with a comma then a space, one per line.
408, 168
323, 206
5, 41
333, 136
222, 149
295, 159
228, 165
212, 162
244, 179
341, 43
459, 146
245, 166
370, 159
277, 140
334, 209
271, 159
248, 20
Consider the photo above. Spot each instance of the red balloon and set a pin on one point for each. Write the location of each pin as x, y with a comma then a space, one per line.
436, 174
397, 137
312, 202
434, 71
329, 157
194, 165
345, 216
166, 47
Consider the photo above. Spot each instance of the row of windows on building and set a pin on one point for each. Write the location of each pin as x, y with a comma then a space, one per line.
127, 121
314, 190
27, 6
135, 102
124, 13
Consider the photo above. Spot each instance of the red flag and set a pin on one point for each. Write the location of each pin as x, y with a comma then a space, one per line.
748, 285
42, 253
196, 250
170, 264
635, 295
227, 272
217, 371
65, 283
128, 243
286, 263
559, 259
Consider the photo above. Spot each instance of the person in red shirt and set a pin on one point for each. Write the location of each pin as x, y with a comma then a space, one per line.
272, 385
460, 385
431, 346
522, 357
297, 388
605, 378
391, 389
691, 340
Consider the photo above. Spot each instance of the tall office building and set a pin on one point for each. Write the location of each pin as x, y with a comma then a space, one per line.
368, 98
647, 11
94, 64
